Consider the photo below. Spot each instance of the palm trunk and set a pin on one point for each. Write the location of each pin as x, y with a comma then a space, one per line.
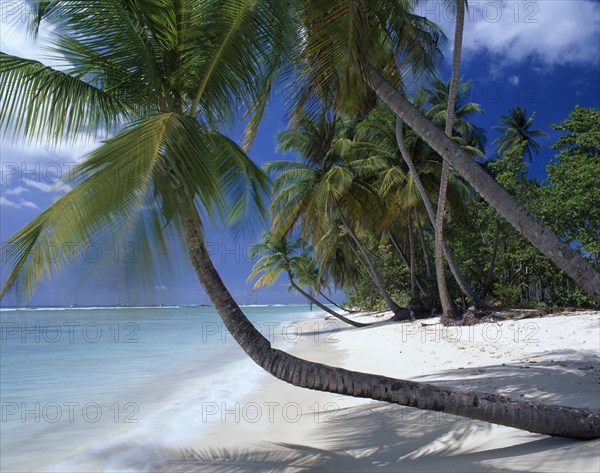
399, 313
447, 305
490, 275
462, 282
534, 417
407, 263
323, 306
423, 245
567, 259
411, 252
334, 303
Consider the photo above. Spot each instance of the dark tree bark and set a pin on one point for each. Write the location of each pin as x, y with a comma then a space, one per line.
462, 282
490, 275
423, 245
530, 416
324, 296
561, 254
413, 273
407, 263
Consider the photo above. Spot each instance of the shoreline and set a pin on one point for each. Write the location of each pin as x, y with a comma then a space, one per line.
340, 433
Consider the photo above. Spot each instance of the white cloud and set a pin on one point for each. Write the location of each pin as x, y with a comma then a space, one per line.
514, 80
56, 187
552, 32
4, 202
41, 186
28, 203
17, 190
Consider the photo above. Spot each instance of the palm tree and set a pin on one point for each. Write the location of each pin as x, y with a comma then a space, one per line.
434, 100
323, 191
308, 274
163, 73
279, 258
378, 134
447, 305
516, 128
352, 41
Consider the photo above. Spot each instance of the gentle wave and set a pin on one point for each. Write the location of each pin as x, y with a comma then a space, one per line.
108, 307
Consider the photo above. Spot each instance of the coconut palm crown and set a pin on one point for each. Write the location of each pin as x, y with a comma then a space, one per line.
159, 77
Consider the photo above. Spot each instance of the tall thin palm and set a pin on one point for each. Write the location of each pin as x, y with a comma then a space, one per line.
447, 305
516, 128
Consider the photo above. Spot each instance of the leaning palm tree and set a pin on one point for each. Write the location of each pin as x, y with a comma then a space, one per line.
323, 191
279, 258
347, 42
162, 74
382, 135
516, 128
307, 272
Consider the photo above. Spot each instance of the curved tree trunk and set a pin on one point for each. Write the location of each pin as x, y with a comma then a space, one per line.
323, 306
447, 305
324, 296
399, 312
462, 282
534, 417
567, 259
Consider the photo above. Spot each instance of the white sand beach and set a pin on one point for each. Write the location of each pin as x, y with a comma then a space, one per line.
554, 359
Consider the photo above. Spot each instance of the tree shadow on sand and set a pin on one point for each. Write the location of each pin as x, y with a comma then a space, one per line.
389, 438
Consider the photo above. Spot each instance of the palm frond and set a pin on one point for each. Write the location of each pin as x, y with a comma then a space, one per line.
39, 102
102, 207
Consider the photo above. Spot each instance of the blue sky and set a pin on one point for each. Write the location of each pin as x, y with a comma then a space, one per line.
544, 56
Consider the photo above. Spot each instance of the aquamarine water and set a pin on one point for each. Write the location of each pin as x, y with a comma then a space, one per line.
79, 384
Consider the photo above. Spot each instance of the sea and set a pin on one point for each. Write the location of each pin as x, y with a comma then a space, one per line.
88, 386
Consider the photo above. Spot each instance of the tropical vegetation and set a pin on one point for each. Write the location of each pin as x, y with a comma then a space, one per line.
161, 78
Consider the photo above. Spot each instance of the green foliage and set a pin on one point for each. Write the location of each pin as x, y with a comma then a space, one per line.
508, 294
159, 77
396, 278
571, 197
568, 202
516, 128
566, 296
